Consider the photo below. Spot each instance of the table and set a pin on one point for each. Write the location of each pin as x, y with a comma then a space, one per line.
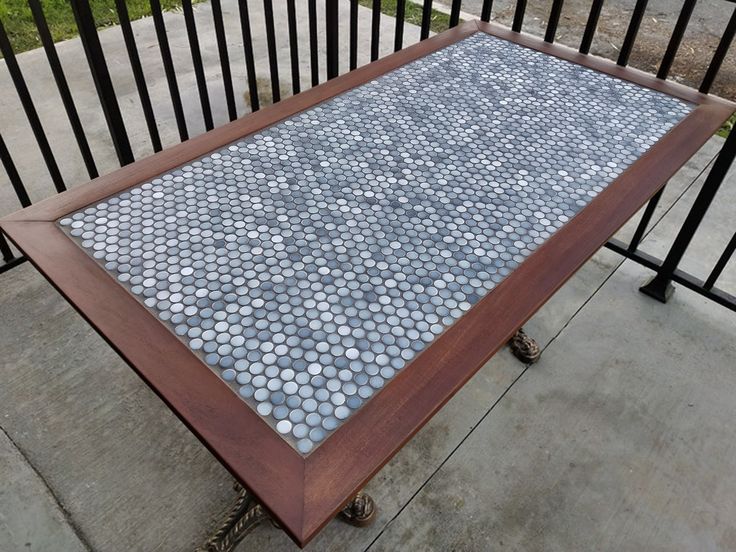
307, 286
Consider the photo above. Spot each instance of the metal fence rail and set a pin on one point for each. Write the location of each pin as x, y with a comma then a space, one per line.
667, 270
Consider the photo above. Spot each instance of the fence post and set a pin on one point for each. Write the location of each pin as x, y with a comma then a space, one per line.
331, 24
101, 76
24, 95
715, 63
660, 287
5, 251
12, 172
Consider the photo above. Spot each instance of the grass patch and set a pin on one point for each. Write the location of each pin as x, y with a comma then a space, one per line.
18, 21
727, 127
413, 14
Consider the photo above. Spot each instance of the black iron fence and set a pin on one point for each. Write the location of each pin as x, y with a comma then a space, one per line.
666, 270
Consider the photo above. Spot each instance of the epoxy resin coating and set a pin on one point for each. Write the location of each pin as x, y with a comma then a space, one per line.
307, 264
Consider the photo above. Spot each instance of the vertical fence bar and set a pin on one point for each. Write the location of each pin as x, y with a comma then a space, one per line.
273, 62
455, 13
353, 34
426, 19
720, 53
644, 222
399, 30
140, 79
485, 12
518, 16
553, 21
12, 172
5, 250
227, 78
313, 45
631, 32
677, 33
30, 110
196, 53
250, 65
293, 46
331, 27
63, 86
721, 264
165, 49
375, 29
590, 26
103, 82
660, 286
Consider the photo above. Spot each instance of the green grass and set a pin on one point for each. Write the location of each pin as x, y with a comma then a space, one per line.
727, 127
18, 22
438, 22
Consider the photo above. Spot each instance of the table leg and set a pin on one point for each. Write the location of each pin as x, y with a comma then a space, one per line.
242, 518
524, 347
360, 511
246, 513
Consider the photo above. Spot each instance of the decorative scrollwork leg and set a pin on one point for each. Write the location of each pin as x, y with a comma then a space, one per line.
242, 518
360, 511
524, 347
246, 513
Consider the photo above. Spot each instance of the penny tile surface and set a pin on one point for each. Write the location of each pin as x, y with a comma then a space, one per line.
309, 263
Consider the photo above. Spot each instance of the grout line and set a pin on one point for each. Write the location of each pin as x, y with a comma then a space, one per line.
526, 368
65, 513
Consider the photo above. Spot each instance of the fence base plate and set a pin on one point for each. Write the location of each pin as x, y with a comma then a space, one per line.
658, 288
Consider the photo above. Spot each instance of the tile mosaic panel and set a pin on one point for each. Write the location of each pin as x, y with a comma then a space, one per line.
307, 264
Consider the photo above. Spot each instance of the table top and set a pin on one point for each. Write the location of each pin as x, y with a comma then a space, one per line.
310, 262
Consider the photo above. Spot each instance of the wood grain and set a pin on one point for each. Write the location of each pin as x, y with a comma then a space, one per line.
303, 494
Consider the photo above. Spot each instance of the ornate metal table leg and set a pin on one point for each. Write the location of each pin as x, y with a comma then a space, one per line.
242, 518
360, 511
524, 347
246, 513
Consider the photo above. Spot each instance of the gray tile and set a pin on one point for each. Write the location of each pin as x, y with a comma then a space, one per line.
309, 263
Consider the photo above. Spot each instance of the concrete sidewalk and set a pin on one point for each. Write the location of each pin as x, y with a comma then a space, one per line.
621, 438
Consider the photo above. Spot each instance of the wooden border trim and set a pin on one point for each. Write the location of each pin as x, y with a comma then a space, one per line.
303, 494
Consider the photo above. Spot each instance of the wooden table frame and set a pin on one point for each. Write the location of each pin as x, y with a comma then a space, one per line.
303, 493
